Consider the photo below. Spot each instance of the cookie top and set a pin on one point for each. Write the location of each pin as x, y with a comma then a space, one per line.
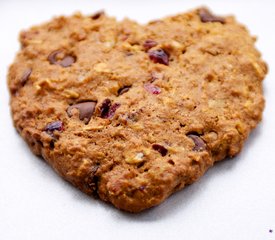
133, 113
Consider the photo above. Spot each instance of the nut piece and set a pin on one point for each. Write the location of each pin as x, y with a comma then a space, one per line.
138, 158
70, 94
101, 68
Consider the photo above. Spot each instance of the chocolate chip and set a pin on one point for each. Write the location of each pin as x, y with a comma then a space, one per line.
52, 57
148, 44
107, 110
66, 61
123, 90
54, 126
162, 150
151, 88
86, 110
199, 143
159, 56
207, 16
25, 76
97, 15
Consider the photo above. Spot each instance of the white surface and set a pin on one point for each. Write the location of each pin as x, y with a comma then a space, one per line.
234, 200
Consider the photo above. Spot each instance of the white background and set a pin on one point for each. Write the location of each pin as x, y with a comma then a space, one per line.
235, 200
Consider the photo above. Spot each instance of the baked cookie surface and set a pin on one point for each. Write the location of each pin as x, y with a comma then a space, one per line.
132, 113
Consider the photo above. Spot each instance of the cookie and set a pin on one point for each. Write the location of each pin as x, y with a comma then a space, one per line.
132, 113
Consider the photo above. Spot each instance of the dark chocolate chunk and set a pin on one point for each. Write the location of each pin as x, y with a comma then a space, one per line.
66, 61
25, 76
207, 16
86, 110
54, 126
159, 56
199, 143
148, 44
123, 90
162, 150
151, 88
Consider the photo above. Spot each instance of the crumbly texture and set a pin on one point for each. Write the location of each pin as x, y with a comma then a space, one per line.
132, 113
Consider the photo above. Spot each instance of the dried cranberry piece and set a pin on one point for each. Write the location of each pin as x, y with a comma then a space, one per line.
199, 143
159, 56
107, 110
112, 110
104, 108
207, 16
54, 126
151, 88
148, 44
25, 76
162, 150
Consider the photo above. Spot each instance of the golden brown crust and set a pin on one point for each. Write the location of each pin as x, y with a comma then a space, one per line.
165, 100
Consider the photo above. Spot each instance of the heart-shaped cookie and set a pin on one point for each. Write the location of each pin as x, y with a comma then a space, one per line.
132, 113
